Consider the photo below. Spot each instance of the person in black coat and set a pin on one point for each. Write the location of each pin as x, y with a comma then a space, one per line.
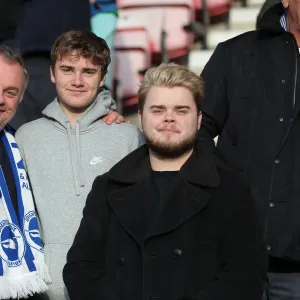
168, 222
252, 94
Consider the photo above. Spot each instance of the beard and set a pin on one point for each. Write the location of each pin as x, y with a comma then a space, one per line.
170, 149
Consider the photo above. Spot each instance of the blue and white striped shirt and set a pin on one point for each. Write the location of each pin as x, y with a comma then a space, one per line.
283, 22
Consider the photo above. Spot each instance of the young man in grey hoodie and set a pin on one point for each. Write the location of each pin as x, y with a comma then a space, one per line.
66, 149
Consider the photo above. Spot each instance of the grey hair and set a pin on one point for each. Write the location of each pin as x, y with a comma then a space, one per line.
14, 57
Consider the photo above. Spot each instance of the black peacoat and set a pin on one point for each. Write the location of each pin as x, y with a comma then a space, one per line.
204, 244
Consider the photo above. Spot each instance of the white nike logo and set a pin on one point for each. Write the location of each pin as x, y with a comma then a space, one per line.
96, 160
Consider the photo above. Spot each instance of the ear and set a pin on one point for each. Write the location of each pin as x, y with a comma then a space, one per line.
140, 119
199, 120
52, 74
102, 81
285, 3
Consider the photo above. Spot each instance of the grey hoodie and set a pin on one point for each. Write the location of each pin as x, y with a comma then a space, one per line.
62, 162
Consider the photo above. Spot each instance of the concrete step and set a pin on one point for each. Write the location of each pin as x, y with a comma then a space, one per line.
241, 17
217, 35
198, 59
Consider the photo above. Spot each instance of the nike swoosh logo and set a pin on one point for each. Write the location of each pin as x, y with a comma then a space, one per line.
96, 160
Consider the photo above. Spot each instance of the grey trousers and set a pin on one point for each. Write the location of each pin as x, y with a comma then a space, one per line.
282, 286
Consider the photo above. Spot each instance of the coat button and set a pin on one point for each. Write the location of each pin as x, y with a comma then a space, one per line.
121, 261
277, 161
283, 81
281, 119
177, 252
268, 248
272, 204
153, 298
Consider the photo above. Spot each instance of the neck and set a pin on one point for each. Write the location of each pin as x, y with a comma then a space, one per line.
160, 163
293, 28
73, 114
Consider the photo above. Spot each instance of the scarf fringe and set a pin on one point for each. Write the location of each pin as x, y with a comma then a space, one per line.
22, 286
43, 271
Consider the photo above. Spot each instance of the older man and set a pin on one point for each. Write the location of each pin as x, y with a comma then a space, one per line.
22, 268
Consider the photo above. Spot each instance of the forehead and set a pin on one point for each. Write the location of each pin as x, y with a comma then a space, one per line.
11, 74
169, 97
75, 60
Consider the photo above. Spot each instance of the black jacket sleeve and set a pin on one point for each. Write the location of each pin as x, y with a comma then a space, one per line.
84, 274
243, 254
215, 106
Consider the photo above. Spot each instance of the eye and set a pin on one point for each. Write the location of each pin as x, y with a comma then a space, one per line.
89, 72
11, 94
67, 71
157, 111
182, 111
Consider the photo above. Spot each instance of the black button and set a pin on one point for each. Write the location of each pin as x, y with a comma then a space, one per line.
277, 161
291, 119
283, 81
268, 248
177, 252
281, 119
272, 204
152, 254
121, 261
181, 298
153, 298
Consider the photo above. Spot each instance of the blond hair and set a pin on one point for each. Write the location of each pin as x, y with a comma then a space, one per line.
171, 75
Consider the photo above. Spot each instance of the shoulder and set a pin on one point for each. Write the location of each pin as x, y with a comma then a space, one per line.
30, 128
122, 130
123, 127
244, 39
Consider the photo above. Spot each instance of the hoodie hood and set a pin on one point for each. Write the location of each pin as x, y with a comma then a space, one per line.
99, 108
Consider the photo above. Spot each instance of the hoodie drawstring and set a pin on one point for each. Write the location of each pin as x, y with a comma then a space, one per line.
78, 153
76, 162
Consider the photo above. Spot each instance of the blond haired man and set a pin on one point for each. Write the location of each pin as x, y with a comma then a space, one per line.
167, 222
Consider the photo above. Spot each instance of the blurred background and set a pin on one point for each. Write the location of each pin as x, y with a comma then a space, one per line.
140, 34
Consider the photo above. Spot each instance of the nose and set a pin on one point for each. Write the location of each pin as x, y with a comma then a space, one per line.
77, 80
169, 117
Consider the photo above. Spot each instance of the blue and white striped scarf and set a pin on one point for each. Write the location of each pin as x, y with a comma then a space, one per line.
22, 267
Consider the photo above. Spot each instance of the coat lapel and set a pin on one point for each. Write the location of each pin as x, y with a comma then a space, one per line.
132, 207
182, 202
132, 204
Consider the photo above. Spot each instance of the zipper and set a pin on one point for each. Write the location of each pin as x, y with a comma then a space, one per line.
296, 72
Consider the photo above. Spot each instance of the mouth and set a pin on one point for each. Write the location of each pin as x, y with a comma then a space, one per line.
169, 130
76, 91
